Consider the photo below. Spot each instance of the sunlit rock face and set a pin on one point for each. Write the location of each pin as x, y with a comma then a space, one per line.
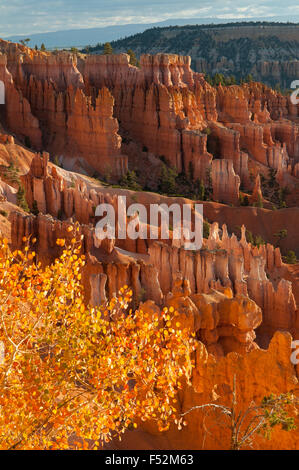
235, 297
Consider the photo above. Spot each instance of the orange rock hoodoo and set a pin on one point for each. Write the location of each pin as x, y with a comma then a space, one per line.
234, 296
72, 105
224, 261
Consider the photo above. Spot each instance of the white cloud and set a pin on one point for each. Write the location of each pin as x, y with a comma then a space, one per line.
32, 16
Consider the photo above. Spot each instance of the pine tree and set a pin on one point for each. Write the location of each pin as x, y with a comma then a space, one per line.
167, 180
108, 48
249, 78
25, 41
206, 229
133, 59
21, 199
201, 190
291, 257
34, 209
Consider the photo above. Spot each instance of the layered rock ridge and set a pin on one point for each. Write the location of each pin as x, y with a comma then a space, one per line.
73, 106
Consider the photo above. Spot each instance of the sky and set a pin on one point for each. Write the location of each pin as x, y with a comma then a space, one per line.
38, 16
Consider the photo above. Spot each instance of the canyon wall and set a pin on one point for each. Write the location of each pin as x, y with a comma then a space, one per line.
223, 262
47, 107
76, 106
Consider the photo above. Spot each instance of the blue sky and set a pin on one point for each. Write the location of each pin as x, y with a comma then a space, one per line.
24, 17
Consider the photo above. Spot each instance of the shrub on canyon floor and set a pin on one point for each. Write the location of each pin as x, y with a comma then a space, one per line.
75, 376
167, 180
244, 200
259, 203
34, 209
130, 181
206, 229
291, 257
272, 191
255, 240
182, 184
281, 235
12, 176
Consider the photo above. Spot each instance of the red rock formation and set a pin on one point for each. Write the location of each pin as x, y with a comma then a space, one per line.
271, 100
236, 318
79, 126
287, 133
50, 87
225, 182
257, 195
223, 323
225, 143
225, 261
164, 106
158, 104
18, 116
226, 293
232, 104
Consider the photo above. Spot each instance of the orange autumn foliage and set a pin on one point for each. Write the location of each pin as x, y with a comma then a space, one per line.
76, 376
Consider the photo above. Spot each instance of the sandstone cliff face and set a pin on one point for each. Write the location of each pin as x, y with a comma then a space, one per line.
78, 125
106, 273
168, 97
224, 262
75, 105
257, 195
51, 193
222, 322
156, 105
225, 182
210, 291
45, 101
18, 114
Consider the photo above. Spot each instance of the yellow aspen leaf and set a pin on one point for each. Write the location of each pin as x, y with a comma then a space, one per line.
69, 346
